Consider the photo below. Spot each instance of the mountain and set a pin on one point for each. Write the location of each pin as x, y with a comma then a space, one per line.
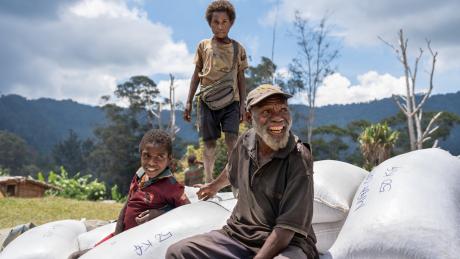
44, 122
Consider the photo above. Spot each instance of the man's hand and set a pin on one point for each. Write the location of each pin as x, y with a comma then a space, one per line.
276, 242
206, 191
209, 190
187, 112
148, 215
242, 112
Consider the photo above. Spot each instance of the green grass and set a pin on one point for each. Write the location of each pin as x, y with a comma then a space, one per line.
16, 211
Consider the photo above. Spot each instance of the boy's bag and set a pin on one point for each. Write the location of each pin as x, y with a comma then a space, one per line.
220, 94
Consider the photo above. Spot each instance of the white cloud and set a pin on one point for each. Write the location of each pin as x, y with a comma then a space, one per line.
361, 22
181, 91
282, 72
84, 50
101, 8
337, 89
252, 44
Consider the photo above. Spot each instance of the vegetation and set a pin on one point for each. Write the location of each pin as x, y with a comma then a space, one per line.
17, 211
76, 187
116, 195
72, 153
377, 142
4, 171
111, 154
15, 154
446, 123
260, 74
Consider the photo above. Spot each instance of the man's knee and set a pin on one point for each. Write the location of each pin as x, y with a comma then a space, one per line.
177, 250
292, 252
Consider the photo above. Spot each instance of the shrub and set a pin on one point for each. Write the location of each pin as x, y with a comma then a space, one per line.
116, 194
77, 187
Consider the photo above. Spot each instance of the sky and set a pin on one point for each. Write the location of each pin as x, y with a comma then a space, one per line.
81, 49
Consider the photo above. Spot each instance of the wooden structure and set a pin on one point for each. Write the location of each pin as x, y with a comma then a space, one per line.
20, 186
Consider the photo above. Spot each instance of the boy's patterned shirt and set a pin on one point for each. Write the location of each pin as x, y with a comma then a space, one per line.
155, 193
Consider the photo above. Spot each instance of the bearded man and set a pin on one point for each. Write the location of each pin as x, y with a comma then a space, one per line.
273, 173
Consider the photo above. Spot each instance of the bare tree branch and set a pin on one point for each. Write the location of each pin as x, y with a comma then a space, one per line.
427, 131
400, 105
433, 65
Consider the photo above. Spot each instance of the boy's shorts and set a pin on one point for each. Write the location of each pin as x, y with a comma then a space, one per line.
213, 122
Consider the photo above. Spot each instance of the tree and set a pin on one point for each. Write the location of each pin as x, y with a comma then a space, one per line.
338, 143
116, 156
68, 154
14, 153
446, 122
408, 103
260, 74
142, 95
313, 63
173, 129
377, 142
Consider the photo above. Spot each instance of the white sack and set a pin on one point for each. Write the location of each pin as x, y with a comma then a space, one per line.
54, 240
193, 197
407, 207
191, 193
223, 196
326, 234
335, 184
228, 204
152, 239
90, 238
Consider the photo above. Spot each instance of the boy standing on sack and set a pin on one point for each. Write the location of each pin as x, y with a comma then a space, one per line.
219, 69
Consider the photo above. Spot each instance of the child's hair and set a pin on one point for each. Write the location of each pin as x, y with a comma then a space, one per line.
157, 136
220, 6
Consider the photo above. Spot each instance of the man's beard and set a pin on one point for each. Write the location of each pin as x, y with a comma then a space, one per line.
274, 144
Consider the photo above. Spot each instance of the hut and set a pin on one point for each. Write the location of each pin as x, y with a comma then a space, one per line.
21, 186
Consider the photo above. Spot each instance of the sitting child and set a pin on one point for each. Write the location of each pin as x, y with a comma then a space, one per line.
153, 190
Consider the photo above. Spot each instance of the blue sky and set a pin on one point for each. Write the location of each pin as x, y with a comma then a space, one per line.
80, 49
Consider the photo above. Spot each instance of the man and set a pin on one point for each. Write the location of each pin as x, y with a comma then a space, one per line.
274, 175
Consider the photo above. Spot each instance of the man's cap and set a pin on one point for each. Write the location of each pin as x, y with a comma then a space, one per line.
262, 92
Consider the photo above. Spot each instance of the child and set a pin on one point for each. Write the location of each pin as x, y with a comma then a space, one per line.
215, 59
153, 186
153, 190
194, 172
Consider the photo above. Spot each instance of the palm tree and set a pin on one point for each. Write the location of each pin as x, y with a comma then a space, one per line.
376, 142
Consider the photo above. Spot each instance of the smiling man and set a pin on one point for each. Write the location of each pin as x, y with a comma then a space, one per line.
273, 172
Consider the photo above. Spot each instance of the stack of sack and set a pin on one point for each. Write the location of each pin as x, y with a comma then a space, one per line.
53, 240
407, 207
335, 186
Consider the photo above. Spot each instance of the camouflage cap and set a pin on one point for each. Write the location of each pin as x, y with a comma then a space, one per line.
262, 92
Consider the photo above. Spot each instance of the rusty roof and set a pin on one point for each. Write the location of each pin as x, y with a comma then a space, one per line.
19, 179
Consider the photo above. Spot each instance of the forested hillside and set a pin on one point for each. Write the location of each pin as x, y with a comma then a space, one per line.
44, 122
